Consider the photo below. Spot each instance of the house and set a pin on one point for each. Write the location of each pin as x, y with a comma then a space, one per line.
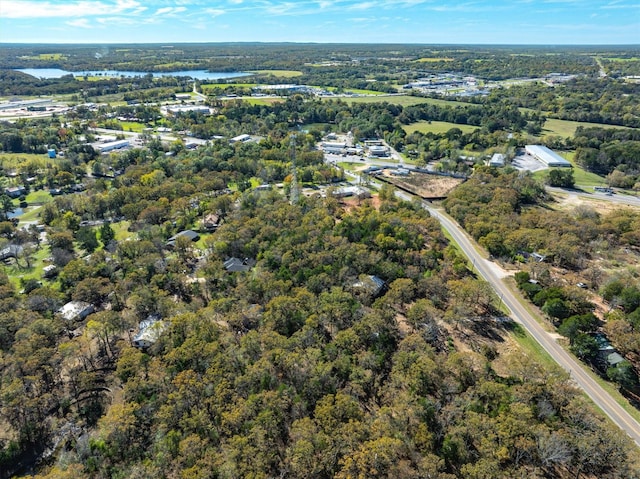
237, 265
112, 145
497, 160
614, 359
190, 234
15, 191
211, 222
371, 285
10, 251
538, 257
240, 138
76, 310
49, 271
149, 331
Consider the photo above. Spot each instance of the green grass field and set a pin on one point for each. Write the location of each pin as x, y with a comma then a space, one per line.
433, 60
567, 128
45, 56
263, 101
133, 126
38, 196
436, 127
31, 214
403, 100
211, 86
582, 177
279, 73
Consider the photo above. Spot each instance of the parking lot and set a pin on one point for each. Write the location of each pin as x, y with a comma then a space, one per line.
528, 163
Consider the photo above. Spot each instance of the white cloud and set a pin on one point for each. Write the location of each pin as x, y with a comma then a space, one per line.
170, 10
362, 6
215, 12
47, 9
79, 23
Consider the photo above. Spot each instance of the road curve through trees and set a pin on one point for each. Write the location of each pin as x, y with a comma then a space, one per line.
597, 394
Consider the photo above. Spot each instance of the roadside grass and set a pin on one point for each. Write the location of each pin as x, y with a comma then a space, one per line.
347, 166
437, 127
134, 126
279, 73
567, 128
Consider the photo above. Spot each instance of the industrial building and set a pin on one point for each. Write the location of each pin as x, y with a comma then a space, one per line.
11, 105
546, 156
112, 145
178, 109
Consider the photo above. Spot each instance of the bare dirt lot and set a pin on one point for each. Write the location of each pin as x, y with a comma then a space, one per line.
427, 186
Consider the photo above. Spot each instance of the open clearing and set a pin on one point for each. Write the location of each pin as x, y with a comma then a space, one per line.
567, 128
425, 185
403, 100
279, 73
437, 127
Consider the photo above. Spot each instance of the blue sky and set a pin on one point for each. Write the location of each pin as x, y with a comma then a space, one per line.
324, 21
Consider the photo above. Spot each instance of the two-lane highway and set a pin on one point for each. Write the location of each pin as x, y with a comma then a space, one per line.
597, 394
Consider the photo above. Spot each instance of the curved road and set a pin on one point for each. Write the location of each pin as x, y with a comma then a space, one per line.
618, 198
597, 394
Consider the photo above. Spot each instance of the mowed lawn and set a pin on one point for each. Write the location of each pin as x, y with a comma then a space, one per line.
403, 100
567, 128
437, 127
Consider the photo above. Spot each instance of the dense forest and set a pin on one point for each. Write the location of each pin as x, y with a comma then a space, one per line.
295, 367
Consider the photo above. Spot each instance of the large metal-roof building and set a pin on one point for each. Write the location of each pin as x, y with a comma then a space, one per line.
546, 156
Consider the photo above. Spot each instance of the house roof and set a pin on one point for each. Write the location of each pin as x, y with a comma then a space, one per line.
74, 309
234, 265
614, 359
192, 235
149, 331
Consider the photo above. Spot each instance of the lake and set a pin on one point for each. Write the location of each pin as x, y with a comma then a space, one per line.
47, 73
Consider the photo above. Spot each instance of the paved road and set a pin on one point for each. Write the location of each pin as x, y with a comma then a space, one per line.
618, 198
598, 395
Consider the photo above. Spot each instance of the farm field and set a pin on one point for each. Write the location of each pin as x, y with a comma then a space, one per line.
437, 127
404, 100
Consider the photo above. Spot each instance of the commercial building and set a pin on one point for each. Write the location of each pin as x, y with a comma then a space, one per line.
379, 151
546, 156
112, 145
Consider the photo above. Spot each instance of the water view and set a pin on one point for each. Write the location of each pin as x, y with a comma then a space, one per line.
47, 73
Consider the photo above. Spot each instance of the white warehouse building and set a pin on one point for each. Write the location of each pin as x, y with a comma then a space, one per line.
546, 156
